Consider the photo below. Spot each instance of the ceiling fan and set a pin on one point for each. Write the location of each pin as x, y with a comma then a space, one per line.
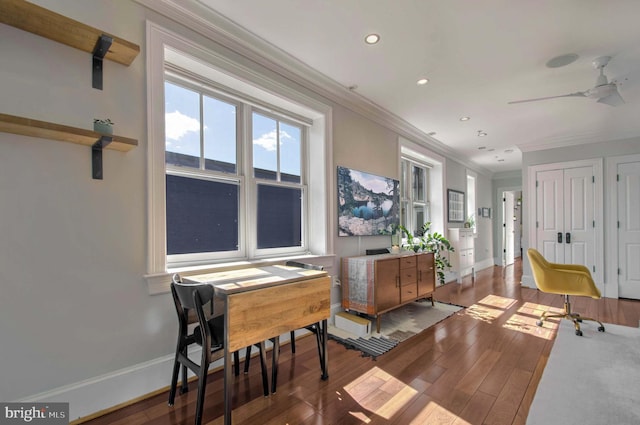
604, 91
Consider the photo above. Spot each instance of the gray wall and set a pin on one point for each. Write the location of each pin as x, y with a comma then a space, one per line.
75, 304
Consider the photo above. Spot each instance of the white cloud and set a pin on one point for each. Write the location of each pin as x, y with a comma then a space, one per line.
267, 141
178, 124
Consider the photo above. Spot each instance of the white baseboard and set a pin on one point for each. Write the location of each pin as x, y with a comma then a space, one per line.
528, 281
103, 392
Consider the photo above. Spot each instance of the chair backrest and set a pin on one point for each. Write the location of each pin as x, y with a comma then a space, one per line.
304, 265
538, 266
193, 297
568, 279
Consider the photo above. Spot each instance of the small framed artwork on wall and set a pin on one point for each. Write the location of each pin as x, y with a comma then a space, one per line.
455, 206
486, 212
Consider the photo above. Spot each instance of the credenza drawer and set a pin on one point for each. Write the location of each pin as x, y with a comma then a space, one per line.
408, 292
408, 276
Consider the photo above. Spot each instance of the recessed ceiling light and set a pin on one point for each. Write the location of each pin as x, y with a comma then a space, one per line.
465, 118
508, 151
491, 150
372, 39
482, 148
422, 81
501, 160
481, 133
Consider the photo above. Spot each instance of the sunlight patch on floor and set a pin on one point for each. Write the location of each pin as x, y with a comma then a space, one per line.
483, 313
527, 324
380, 393
489, 308
536, 310
497, 301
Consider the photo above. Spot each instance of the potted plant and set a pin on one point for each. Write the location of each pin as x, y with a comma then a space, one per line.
103, 126
470, 222
430, 242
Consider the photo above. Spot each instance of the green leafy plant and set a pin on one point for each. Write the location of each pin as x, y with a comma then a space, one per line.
470, 221
430, 242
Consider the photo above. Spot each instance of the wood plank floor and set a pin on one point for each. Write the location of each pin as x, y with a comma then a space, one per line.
480, 366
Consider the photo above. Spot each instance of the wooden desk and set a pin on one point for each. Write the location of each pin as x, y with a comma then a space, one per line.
264, 302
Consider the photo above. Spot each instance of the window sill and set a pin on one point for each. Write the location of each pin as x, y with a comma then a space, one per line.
158, 283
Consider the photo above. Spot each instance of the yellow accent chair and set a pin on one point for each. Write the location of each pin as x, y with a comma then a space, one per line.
563, 279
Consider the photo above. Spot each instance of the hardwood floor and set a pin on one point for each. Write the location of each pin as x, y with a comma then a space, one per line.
480, 366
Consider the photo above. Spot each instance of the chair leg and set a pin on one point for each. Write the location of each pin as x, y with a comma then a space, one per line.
236, 363
274, 363
247, 359
185, 383
174, 381
202, 386
576, 318
263, 365
293, 342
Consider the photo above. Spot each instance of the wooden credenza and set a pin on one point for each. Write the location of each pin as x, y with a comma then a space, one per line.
463, 258
375, 284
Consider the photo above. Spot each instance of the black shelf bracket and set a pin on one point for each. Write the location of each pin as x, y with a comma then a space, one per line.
96, 156
99, 52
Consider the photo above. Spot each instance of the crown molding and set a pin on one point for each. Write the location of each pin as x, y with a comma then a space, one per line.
574, 140
200, 18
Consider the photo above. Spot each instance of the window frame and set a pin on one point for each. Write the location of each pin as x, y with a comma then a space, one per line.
472, 199
408, 165
223, 67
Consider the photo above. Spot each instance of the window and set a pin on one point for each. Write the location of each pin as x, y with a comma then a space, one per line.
212, 200
205, 183
415, 210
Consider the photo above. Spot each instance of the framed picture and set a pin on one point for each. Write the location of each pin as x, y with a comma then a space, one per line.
486, 212
455, 206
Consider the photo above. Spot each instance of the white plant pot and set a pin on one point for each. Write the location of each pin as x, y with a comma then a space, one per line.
103, 128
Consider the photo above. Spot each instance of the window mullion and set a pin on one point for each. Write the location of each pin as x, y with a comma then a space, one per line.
248, 188
201, 131
278, 176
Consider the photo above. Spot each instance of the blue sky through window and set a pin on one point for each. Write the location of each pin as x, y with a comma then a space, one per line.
182, 130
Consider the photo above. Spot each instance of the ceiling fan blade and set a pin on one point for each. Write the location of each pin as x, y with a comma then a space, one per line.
576, 94
614, 99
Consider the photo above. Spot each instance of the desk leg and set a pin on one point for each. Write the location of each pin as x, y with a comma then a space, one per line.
228, 387
323, 359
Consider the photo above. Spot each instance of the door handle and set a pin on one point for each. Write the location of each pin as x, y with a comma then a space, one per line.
560, 237
568, 237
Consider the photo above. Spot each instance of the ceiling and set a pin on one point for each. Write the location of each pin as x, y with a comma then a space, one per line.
477, 55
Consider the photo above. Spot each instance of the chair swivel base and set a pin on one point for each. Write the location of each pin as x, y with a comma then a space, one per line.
574, 317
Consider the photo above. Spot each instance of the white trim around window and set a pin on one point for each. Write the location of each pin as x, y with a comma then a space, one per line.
162, 43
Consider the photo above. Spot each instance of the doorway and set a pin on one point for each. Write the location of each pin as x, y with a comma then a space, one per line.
511, 226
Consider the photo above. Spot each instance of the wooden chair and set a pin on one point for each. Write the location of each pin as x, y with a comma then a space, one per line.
209, 334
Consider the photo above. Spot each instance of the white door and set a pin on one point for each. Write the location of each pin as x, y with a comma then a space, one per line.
550, 215
629, 230
508, 202
579, 225
565, 215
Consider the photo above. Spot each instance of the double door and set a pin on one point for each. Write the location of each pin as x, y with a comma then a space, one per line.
566, 215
